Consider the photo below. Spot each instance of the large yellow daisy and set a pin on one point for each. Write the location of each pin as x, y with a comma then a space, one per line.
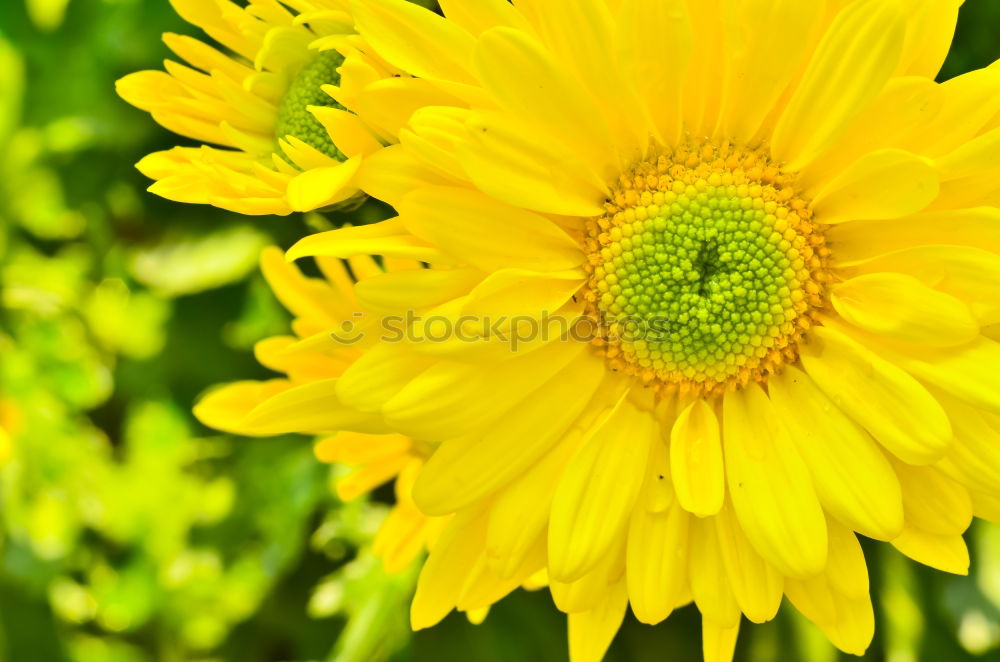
267, 104
748, 251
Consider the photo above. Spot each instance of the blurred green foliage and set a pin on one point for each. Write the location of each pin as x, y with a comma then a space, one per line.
128, 532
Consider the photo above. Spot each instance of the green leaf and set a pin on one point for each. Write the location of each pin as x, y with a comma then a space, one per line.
194, 263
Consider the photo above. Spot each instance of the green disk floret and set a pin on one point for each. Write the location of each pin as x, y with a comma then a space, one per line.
306, 89
699, 284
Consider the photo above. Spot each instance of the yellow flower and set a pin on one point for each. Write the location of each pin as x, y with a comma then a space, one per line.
270, 107
311, 361
748, 252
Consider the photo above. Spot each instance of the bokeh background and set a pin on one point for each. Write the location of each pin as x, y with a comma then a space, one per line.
130, 533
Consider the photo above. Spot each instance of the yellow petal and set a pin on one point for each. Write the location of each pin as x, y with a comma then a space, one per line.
968, 273
718, 643
598, 490
932, 502
517, 294
431, 137
279, 354
447, 568
530, 85
516, 163
962, 110
969, 372
987, 506
881, 397
391, 103
655, 39
973, 456
837, 600
846, 569
889, 183
212, 18
309, 409
452, 399
710, 585
902, 308
899, 113
947, 553
854, 481
657, 561
772, 493
591, 632
701, 101
658, 492
283, 48
378, 375
226, 408
447, 332
477, 16
463, 470
347, 131
696, 460
756, 585
416, 39
392, 172
929, 32
414, 290
969, 174
850, 67
483, 587
581, 34
322, 187
978, 227
354, 448
587, 592
520, 511
306, 298
486, 233
477, 616
388, 238
400, 539
369, 476
758, 68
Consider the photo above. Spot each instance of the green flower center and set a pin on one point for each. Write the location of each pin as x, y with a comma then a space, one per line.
306, 89
705, 270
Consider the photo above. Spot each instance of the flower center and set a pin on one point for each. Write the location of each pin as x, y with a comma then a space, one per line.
306, 90
705, 271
